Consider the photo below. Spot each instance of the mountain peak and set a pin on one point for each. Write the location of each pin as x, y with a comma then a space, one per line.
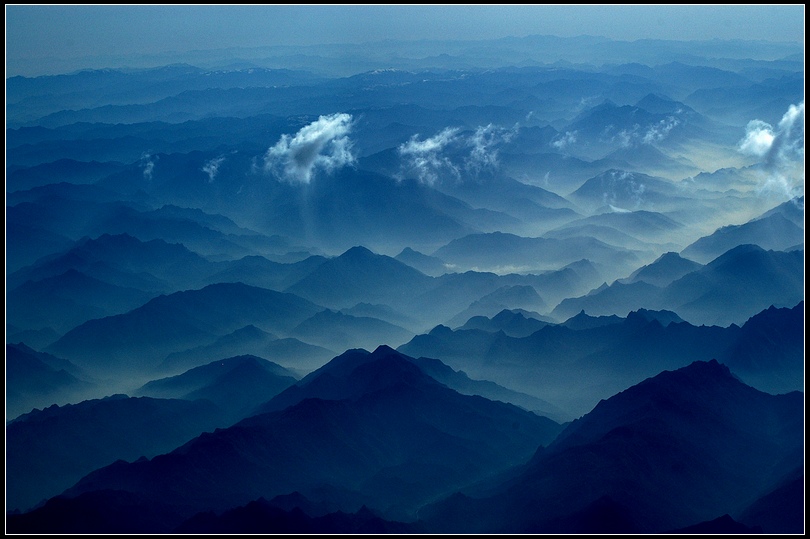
358, 252
384, 351
699, 384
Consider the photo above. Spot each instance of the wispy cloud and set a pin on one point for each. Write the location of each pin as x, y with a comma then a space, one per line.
424, 158
148, 164
212, 167
758, 139
445, 154
659, 131
564, 140
622, 185
780, 150
485, 142
322, 145
638, 134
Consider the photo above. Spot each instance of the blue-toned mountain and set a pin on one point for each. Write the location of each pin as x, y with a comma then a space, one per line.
662, 455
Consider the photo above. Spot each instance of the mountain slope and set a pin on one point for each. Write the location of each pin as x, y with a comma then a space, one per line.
396, 437
137, 340
680, 448
49, 450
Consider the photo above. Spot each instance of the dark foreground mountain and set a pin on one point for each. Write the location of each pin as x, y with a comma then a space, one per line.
262, 516
328, 383
396, 438
49, 450
122, 512
676, 450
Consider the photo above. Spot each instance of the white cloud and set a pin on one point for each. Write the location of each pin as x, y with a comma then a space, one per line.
324, 144
780, 150
758, 139
148, 165
212, 167
651, 134
658, 132
627, 138
622, 185
426, 159
484, 142
423, 158
566, 139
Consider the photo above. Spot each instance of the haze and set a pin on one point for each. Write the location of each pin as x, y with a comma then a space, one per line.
52, 39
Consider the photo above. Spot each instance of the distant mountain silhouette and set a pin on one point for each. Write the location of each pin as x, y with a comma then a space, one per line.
611, 300
61, 170
641, 224
359, 275
139, 339
248, 340
517, 296
429, 265
343, 331
64, 301
776, 230
36, 380
237, 385
667, 268
626, 190
512, 322
583, 321
259, 271
500, 251
590, 358
26, 243
381, 312
710, 293
529, 203
106, 257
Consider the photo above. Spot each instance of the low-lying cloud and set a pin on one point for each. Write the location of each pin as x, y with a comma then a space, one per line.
428, 160
780, 150
322, 145
564, 140
148, 164
659, 131
212, 167
424, 158
622, 186
651, 134
485, 142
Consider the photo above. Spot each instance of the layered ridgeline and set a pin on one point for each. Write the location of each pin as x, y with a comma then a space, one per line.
371, 435
73, 440
537, 221
588, 358
662, 455
368, 428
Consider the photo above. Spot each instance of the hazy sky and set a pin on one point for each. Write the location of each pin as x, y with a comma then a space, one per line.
40, 34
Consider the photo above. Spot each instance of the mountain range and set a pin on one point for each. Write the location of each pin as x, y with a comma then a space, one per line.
525, 285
